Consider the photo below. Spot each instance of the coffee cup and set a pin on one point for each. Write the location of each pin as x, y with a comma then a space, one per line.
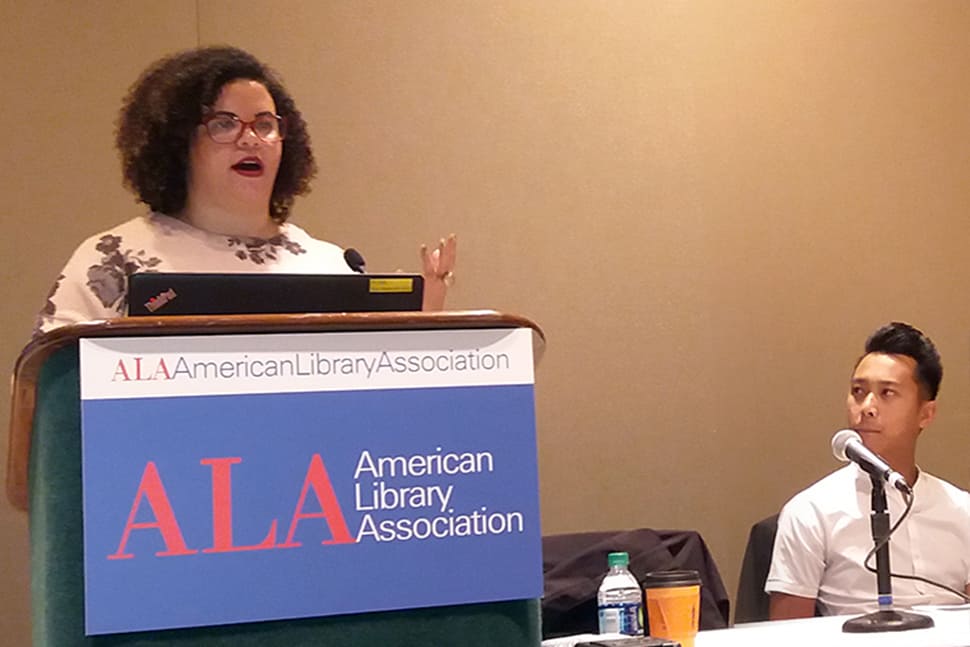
673, 604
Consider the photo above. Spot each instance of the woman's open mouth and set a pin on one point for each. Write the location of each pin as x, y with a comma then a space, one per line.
249, 166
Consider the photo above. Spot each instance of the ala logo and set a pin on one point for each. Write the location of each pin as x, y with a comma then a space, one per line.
136, 369
152, 492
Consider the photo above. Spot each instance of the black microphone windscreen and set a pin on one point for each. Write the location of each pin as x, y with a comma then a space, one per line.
354, 260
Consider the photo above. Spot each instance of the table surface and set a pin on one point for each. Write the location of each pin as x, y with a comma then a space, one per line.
951, 629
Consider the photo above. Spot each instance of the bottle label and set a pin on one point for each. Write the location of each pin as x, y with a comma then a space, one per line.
622, 618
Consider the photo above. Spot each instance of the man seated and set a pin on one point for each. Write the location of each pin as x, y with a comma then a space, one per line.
824, 532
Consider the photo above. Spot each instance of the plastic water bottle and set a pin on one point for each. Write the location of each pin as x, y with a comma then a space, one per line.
620, 600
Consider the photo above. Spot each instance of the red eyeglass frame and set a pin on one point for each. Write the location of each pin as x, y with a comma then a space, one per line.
243, 125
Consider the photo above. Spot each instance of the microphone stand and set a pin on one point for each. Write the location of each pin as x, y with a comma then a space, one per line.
886, 618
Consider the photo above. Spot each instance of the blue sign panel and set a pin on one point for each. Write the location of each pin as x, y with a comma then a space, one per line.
217, 509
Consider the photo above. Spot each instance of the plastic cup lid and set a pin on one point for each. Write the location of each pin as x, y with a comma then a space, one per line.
663, 579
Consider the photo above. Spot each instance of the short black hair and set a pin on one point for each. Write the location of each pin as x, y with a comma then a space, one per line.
164, 107
898, 338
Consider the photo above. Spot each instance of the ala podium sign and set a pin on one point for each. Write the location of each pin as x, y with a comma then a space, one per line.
241, 478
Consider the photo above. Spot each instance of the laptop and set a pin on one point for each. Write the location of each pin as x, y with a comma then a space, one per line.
160, 294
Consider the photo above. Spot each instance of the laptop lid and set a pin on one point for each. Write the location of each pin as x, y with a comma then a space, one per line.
159, 293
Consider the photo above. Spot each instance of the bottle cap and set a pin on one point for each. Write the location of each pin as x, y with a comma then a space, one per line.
618, 559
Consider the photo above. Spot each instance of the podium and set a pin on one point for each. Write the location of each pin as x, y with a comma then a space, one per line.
44, 476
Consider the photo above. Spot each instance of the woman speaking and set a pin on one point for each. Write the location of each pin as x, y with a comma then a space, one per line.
215, 146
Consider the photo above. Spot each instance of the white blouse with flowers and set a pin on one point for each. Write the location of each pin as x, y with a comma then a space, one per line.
94, 283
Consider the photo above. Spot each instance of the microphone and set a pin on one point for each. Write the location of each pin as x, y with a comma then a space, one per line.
847, 446
354, 260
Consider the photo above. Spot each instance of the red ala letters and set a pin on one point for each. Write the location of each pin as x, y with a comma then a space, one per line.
136, 371
152, 490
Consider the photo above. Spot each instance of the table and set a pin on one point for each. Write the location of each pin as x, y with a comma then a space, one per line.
952, 629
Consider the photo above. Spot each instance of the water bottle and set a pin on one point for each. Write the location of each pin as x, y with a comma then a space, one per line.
620, 600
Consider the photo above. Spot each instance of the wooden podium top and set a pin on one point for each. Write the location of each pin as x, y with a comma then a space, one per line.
32, 357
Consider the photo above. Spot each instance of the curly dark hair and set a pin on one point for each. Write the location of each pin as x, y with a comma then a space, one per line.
166, 104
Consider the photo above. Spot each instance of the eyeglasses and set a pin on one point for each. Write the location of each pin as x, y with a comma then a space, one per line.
227, 128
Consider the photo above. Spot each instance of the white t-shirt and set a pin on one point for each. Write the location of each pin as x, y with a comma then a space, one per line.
824, 535
94, 283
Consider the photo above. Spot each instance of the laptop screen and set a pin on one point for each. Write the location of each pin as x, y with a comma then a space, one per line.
158, 294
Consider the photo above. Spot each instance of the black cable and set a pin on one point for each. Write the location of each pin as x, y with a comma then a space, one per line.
909, 506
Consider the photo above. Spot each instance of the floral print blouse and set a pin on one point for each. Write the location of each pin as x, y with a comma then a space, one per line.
94, 283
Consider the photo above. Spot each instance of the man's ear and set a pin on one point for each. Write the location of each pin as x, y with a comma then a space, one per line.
927, 414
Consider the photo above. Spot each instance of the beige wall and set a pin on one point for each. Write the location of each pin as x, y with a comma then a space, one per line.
707, 205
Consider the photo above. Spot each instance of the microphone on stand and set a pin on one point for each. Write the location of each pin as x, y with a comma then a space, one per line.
847, 446
354, 260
